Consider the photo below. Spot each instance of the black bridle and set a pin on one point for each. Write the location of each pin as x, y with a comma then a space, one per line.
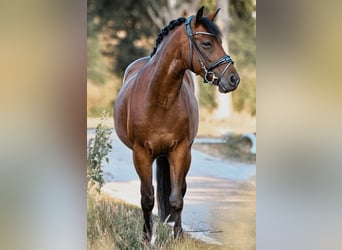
208, 70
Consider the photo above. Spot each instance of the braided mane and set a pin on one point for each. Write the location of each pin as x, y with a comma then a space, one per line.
172, 24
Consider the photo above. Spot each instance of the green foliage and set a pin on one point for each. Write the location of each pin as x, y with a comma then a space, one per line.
128, 32
120, 225
97, 151
97, 70
242, 46
244, 9
97, 111
207, 95
125, 24
106, 221
242, 33
210, 5
245, 97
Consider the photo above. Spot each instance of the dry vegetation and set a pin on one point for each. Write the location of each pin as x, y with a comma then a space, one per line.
113, 224
101, 97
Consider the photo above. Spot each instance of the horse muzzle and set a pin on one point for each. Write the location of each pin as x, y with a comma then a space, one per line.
229, 84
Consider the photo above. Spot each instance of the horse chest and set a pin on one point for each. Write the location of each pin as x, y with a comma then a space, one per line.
159, 136
160, 143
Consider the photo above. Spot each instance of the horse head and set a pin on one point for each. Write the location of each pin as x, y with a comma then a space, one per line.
212, 62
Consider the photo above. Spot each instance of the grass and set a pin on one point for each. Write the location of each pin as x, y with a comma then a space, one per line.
116, 225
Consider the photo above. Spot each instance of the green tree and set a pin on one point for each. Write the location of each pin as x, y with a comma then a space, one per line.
239, 33
242, 44
121, 31
242, 38
122, 24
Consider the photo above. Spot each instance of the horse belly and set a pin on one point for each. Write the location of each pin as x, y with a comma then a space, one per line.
122, 107
121, 114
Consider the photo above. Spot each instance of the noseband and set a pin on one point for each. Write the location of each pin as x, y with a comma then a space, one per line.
208, 70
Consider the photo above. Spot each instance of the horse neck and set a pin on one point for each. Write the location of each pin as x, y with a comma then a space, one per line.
168, 71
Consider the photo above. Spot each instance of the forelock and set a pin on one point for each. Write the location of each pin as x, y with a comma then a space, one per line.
211, 27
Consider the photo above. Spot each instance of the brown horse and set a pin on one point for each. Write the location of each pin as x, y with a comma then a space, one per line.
156, 112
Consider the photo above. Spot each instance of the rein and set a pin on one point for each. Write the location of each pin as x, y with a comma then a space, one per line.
208, 70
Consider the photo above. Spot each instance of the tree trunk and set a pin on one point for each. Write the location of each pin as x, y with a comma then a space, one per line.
224, 101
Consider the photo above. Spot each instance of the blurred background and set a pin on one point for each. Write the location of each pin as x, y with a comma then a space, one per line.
120, 32
43, 123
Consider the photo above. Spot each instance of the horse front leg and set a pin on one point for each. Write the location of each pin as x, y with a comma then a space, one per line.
180, 160
143, 165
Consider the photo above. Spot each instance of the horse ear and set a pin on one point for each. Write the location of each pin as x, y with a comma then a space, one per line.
212, 16
199, 15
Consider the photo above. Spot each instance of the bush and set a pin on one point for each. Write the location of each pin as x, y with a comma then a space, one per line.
97, 151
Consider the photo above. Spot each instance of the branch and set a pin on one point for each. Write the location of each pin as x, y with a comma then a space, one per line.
154, 17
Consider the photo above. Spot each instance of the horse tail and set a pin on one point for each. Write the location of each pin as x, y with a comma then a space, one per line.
163, 188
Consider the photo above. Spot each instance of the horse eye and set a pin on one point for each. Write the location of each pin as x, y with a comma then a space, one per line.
206, 44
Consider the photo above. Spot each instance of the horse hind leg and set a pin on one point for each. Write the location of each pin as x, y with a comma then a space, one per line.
143, 166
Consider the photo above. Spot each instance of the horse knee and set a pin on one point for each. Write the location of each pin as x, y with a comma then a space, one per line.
176, 202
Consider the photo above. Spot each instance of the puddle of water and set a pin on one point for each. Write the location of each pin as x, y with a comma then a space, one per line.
209, 140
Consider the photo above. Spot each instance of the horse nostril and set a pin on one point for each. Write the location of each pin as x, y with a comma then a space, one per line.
234, 80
